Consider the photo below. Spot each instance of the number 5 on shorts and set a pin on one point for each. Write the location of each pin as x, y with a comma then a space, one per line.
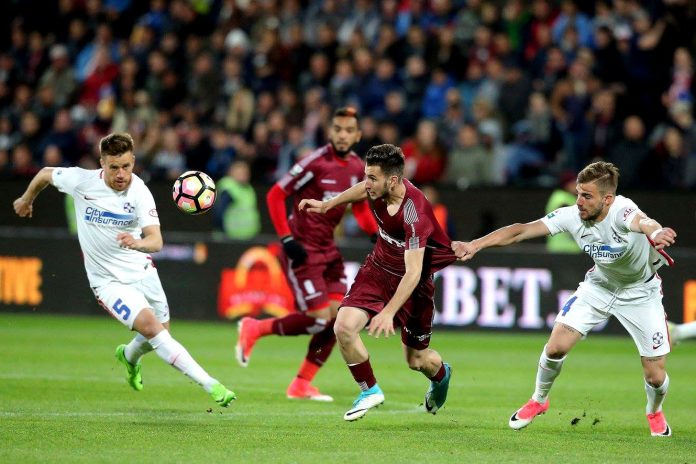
121, 308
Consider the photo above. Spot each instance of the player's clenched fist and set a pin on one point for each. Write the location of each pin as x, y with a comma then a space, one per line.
313, 206
22, 207
463, 250
126, 240
663, 237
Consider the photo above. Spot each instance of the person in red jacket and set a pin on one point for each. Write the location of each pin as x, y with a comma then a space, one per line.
312, 261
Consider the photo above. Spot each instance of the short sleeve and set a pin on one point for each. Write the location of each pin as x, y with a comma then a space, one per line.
560, 220
624, 215
298, 176
417, 226
146, 210
67, 179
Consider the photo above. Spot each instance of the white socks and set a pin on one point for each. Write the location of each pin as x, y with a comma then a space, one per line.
546, 373
684, 331
137, 347
656, 395
172, 352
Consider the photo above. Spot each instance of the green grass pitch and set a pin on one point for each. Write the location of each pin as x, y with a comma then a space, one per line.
63, 398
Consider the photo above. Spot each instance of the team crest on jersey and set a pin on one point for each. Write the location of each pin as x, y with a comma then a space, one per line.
615, 235
128, 208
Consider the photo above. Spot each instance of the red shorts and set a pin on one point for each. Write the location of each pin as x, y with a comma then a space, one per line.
373, 288
314, 285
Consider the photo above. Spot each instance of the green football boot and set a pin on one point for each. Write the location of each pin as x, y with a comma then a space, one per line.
222, 395
132, 370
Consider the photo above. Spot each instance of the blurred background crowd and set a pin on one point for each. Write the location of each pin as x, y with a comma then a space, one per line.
476, 92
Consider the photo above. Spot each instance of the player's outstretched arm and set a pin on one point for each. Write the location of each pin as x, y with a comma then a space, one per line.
504, 236
384, 321
661, 237
355, 193
151, 242
23, 205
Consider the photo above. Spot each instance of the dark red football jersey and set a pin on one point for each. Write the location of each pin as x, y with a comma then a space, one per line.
321, 175
413, 226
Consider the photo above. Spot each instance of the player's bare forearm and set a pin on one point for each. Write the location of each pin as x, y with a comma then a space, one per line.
403, 292
40, 181
514, 233
413, 260
383, 323
661, 236
351, 195
23, 205
151, 242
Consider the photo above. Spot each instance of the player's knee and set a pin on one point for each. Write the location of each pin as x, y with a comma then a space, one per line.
344, 332
655, 378
147, 324
415, 363
554, 351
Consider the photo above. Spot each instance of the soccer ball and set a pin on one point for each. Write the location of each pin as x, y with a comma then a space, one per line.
194, 192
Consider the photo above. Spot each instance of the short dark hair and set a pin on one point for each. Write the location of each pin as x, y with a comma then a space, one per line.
116, 144
605, 175
388, 157
347, 111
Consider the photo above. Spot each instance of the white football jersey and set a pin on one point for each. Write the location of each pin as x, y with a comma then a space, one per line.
102, 213
622, 258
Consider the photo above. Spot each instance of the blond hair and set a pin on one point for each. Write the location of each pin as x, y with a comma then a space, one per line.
604, 175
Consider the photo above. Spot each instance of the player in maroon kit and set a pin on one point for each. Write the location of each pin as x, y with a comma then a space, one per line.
395, 282
313, 264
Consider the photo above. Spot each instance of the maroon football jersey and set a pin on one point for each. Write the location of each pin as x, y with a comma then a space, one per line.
321, 175
413, 226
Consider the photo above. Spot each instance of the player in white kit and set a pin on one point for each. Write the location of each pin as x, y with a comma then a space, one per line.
118, 226
627, 248
681, 332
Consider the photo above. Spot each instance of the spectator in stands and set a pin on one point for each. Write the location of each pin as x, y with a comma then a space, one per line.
629, 154
232, 65
469, 164
236, 210
563, 195
169, 162
424, 155
60, 76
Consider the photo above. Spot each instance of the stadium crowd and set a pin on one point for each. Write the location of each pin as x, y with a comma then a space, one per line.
476, 92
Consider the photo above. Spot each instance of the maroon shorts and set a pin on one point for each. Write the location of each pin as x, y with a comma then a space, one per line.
314, 285
373, 288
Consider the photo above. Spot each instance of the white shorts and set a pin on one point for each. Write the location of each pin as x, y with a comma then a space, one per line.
639, 310
125, 301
